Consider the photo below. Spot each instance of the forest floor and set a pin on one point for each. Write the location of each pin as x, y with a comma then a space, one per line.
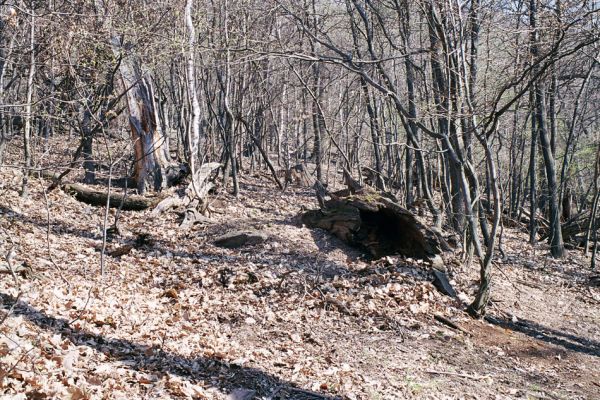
301, 316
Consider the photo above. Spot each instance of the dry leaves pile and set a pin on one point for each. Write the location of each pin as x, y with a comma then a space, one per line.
300, 316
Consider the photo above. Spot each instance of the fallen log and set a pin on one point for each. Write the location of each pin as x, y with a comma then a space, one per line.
375, 223
96, 197
573, 230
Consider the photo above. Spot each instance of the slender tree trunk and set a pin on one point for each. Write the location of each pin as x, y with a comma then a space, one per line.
556, 241
194, 131
479, 304
533, 227
317, 124
375, 134
596, 199
27, 132
571, 137
412, 131
87, 148
229, 117
446, 127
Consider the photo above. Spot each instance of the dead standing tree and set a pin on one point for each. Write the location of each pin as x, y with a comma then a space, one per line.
151, 152
150, 145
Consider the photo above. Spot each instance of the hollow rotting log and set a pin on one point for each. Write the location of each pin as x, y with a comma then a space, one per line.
374, 222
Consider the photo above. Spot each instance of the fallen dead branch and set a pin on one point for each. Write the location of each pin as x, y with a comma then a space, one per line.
451, 324
458, 374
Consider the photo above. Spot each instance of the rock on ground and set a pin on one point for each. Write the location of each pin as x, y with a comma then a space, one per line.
237, 239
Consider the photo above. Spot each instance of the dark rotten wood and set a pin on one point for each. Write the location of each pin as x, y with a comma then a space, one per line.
375, 223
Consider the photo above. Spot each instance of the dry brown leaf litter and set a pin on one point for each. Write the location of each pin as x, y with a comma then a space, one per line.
177, 317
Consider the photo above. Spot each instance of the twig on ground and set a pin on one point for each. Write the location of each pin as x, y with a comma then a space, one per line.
11, 254
451, 324
84, 309
457, 374
8, 372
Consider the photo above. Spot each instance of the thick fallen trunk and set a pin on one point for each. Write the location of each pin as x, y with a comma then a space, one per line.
375, 223
98, 198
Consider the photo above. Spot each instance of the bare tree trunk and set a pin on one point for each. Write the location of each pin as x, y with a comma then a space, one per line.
194, 132
225, 83
571, 137
456, 205
533, 227
592, 228
5, 53
317, 124
87, 149
27, 133
375, 134
556, 241
479, 304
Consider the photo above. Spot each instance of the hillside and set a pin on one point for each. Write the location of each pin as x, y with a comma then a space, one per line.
300, 316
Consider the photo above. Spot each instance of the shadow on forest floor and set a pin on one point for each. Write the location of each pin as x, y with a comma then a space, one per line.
575, 276
193, 369
303, 260
56, 227
549, 335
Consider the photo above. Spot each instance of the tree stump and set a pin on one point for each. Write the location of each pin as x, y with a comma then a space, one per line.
375, 223
193, 198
